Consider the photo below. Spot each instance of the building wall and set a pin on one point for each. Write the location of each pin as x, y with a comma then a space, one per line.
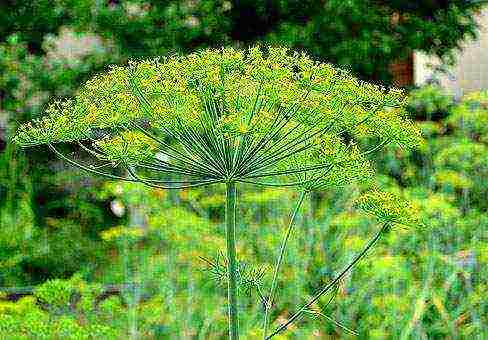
471, 70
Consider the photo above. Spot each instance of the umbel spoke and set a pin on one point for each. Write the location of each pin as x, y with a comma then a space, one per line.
255, 154
171, 152
151, 183
135, 178
87, 168
191, 159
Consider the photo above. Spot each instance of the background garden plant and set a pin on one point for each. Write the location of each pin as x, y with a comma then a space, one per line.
269, 118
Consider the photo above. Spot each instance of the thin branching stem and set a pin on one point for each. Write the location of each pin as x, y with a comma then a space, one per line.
209, 137
92, 152
171, 170
176, 154
146, 107
151, 184
263, 152
87, 168
283, 144
253, 147
216, 140
335, 322
163, 181
332, 284
262, 298
292, 150
377, 147
160, 165
291, 171
280, 184
272, 161
269, 149
316, 167
190, 160
195, 143
278, 124
277, 268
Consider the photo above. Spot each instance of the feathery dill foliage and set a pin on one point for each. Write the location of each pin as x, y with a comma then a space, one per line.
228, 115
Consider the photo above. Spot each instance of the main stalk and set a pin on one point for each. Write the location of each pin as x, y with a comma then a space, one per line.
230, 222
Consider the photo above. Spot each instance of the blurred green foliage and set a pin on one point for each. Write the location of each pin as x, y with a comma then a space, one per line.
421, 282
363, 35
71, 233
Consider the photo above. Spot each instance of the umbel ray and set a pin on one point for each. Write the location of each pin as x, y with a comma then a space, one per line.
262, 116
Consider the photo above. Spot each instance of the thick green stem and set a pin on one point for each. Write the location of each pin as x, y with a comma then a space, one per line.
284, 243
230, 221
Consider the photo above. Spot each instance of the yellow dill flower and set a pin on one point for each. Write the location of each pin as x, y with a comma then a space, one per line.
129, 148
388, 208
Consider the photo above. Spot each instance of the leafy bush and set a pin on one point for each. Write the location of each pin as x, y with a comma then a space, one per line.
429, 103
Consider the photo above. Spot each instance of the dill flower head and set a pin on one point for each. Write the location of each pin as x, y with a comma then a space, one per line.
258, 115
388, 208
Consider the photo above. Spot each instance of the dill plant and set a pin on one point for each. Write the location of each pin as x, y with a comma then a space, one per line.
263, 116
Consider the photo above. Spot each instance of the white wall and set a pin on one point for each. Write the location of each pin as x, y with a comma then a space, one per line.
471, 70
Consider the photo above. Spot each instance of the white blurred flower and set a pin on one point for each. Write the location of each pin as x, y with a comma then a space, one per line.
192, 21
136, 10
162, 157
71, 48
226, 6
117, 208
